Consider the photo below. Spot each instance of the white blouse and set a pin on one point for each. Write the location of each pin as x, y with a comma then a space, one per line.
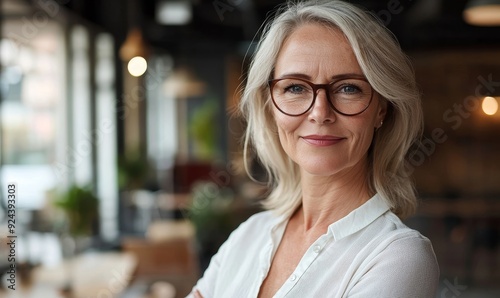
368, 253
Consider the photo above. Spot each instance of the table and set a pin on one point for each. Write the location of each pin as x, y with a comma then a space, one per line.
90, 275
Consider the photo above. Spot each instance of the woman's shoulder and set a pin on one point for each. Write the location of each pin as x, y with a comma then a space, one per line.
396, 237
403, 256
393, 245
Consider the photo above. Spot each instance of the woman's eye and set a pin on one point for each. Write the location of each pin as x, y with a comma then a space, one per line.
295, 89
349, 89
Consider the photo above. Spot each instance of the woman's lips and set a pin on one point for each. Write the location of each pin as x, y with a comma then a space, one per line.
321, 141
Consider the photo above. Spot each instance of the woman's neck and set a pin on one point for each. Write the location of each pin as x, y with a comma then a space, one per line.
326, 199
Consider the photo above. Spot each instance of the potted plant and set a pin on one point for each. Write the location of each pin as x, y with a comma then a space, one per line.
202, 129
133, 171
80, 206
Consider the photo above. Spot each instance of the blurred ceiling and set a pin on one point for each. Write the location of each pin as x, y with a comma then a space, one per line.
215, 24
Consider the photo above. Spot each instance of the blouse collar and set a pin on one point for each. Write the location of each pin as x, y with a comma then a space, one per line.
359, 218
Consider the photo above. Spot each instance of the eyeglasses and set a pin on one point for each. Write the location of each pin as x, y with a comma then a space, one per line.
347, 96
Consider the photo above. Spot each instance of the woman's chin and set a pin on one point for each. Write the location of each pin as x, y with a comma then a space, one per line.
322, 167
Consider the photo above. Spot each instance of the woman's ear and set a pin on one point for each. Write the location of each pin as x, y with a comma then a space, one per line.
382, 112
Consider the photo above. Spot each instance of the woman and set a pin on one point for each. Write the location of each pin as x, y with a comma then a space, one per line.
332, 110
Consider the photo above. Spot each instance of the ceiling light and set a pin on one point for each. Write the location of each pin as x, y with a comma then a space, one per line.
482, 12
490, 105
173, 12
137, 66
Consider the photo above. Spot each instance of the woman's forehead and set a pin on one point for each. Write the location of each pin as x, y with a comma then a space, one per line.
313, 49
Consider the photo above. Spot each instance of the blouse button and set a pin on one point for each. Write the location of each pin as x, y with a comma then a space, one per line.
317, 249
293, 277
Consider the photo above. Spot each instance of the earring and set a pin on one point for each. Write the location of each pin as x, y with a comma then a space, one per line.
381, 122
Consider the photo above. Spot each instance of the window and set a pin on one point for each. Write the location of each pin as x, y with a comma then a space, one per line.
32, 108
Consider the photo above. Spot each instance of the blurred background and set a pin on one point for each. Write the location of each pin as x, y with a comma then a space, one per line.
117, 132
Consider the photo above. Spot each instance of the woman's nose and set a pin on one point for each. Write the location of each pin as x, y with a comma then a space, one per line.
321, 111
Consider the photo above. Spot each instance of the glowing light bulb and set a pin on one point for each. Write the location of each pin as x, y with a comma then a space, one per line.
490, 105
137, 66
